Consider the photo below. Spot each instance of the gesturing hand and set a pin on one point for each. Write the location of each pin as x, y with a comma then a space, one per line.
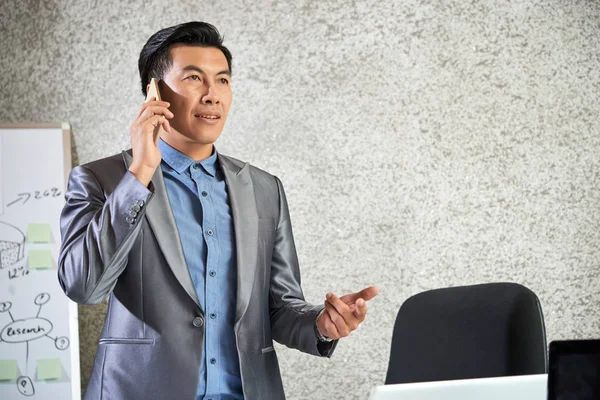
344, 314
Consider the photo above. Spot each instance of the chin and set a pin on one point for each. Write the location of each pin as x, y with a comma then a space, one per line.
205, 137
197, 135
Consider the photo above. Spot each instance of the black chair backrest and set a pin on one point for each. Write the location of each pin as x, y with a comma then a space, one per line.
467, 332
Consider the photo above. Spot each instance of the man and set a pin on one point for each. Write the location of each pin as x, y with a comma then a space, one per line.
194, 248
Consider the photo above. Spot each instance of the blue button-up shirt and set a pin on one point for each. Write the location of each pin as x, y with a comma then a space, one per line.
198, 196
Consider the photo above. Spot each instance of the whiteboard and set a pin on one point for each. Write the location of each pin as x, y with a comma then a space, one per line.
39, 336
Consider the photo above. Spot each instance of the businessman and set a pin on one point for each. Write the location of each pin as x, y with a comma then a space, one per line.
194, 249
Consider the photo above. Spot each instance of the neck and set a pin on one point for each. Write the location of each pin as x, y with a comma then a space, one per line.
194, 150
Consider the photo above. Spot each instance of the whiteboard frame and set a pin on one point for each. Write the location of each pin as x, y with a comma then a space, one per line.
73, 313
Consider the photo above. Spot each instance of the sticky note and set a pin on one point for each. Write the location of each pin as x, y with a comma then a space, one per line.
39, 233
40, 259
49, 368
8, 370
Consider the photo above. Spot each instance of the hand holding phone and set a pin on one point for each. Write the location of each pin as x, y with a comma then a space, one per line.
145, 132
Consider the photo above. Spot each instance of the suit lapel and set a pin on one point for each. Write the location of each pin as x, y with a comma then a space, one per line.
245, 223
161, 219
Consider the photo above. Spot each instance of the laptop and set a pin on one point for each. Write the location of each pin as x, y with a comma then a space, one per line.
574, 372
523, 387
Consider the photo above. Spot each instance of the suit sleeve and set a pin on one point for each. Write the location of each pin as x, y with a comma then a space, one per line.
292, 318
98, 232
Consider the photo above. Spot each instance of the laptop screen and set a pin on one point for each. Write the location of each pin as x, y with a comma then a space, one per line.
574, 372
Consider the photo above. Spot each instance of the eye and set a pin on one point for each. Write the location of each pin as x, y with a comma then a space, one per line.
224, 81
194, 78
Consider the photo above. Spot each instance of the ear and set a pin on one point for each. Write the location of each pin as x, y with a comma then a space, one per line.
147, 88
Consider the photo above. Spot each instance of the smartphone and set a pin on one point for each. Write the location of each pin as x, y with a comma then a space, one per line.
154, 92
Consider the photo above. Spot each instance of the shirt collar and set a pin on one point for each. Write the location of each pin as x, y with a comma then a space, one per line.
180, 162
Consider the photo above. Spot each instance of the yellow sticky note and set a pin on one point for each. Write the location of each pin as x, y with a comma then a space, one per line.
49, 368
39, 233
40, 259
8, 370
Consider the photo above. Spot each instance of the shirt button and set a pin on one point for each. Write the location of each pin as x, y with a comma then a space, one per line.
213, 315
213, 361
132, 213
139, 203
136, 208
204, 194
209, 232
196, 166
198, 322
212, 273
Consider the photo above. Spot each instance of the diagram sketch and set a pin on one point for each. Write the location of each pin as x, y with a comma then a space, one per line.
26, 330
12, 245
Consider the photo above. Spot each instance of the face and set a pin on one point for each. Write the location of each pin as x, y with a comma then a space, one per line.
197, 87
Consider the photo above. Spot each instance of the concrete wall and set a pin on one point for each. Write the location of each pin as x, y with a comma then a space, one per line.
422, 144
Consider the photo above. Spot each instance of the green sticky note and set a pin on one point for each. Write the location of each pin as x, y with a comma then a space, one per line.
40, 259
49, 368
8, 370
39, 233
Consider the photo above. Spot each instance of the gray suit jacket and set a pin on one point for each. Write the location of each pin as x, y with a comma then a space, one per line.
118, 241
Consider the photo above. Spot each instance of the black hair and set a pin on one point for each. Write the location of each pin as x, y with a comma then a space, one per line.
155, 57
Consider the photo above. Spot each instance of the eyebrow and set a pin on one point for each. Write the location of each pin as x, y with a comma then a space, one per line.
198, 69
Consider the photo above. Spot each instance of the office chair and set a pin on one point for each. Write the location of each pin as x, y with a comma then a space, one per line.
466, 332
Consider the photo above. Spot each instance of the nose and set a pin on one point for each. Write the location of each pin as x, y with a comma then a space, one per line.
211, 96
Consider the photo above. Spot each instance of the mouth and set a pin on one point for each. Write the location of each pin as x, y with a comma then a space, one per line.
208, 116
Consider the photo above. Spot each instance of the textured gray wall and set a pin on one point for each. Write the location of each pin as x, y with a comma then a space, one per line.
422, 143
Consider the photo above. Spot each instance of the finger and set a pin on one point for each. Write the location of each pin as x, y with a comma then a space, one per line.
148, 104
360, 310
345, 310
339, 321
166, 125
155, 110
150, 99
158, 129
152, 111
367, 293
341, 307
332, 332
154, 102
151, 124
330, 329
143, 107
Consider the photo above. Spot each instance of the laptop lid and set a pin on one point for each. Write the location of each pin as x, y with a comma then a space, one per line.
524, 387
574, 370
